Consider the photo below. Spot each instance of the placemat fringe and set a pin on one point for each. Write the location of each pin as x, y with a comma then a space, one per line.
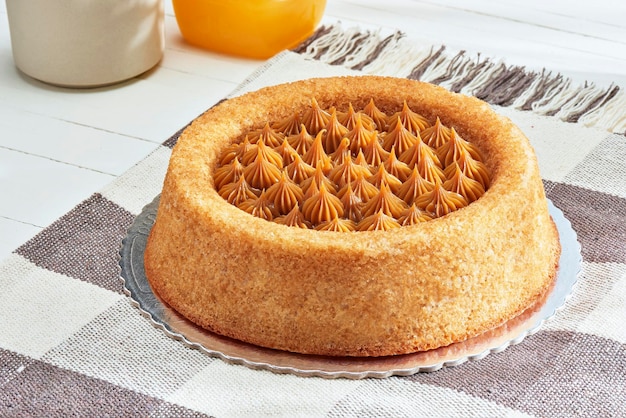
493, 81
612, 113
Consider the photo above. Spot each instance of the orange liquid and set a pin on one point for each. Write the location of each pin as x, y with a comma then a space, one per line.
248, 28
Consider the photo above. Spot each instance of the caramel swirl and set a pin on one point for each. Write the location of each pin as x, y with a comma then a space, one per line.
413, 215
268, 135
375, 154
440, 201
319, 176
337, 225
298, 170
351, 201
342, 153
360, 136
360, 160
284, 194
286, 151
301, 141
349, 119
458, 182
429, 168
311, 189
396, 167
289, 126
363, 188
237, 192
385, 201
378, 222
455, 147
351, 170
260, 151
323, 206
473, 169
228, 173
412, 121
382, 176
436, 135
261, 207
378, 117
315, 118
399, 138
294, 218
335, 132
347, 172
235, 151
414, 186
316, 156
418, 152
261, 172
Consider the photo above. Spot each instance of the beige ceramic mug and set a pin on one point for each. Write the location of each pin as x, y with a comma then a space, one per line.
85, 43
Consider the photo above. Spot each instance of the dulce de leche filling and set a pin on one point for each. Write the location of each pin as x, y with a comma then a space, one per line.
359, 170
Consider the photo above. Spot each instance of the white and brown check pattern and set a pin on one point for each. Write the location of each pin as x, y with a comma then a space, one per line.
71, 344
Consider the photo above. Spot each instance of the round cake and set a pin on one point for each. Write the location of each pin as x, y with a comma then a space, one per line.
352, 216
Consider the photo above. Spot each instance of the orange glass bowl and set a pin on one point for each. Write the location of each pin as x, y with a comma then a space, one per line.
248, 28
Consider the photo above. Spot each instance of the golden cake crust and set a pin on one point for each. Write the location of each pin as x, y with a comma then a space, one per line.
352, 294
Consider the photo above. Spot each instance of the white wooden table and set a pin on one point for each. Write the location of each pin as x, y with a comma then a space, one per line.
58, 146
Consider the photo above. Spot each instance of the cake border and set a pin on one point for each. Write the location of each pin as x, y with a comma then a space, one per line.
174, 325
327, 310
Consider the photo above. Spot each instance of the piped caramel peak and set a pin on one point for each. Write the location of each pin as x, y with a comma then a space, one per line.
378, 222
258, 151
399, 138
315, 118
350, 119
378, 117
385, 201
286, 151
360, 136
462, 184
228, 173
412, 121
363, 188
414, 186
455, 147
294, 218
413, 215
396, 167
440, 201
298, 170
288, 126
420, 154
316, 155
335, 132
436, 135
268, 135
262, 172
323, 206
261, 207
301, 141
342, 153
319, 176
347, 172
352, 203
237, 192
337, 225
382, 176
351, 170
233, 151
285, 194
474, 169
375, 154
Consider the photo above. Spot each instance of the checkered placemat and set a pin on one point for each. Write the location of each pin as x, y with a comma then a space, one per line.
71, 344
